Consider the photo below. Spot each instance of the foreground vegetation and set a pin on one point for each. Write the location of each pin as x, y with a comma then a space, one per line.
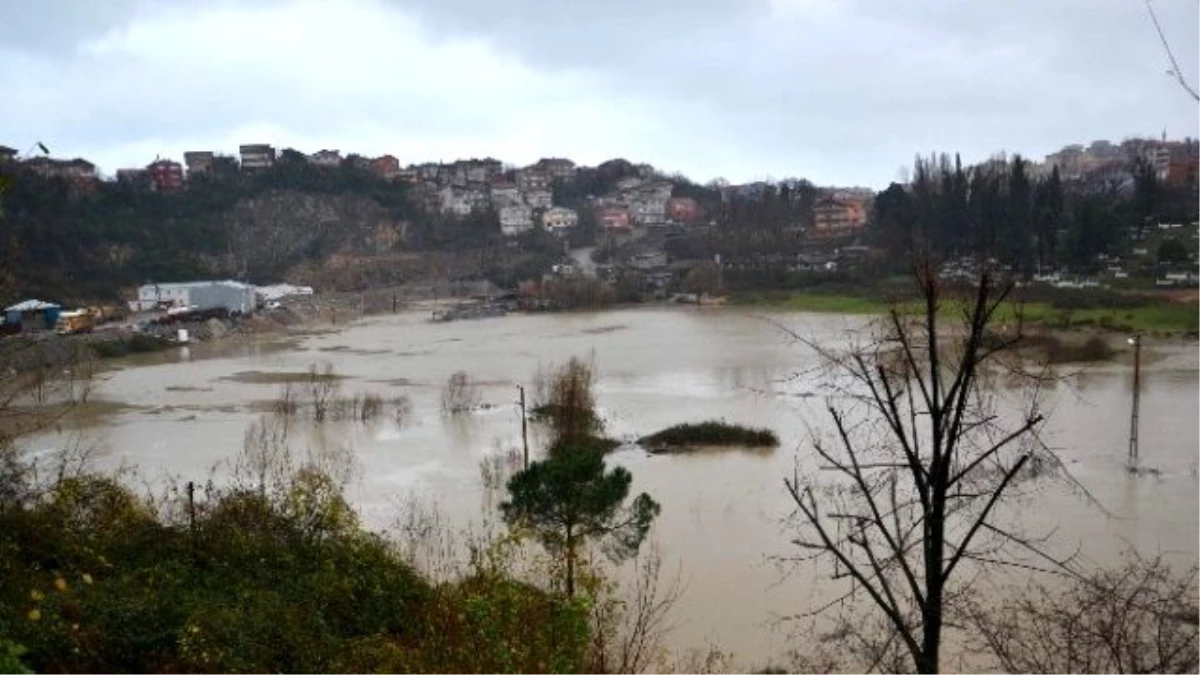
711, 433
94, 578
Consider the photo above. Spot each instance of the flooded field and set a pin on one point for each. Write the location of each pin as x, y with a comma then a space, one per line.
183, 412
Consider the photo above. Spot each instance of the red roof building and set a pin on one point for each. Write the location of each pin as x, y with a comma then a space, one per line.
683, 210
613, 217
166, 175
387, 167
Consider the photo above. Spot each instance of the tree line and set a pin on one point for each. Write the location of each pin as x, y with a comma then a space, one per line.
1027, 221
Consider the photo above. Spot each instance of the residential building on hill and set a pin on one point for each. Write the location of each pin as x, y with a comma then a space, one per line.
648, 203
386, 167
530, 180
682, 210
613, 218
559, 219
555, 167
257, 156
198, 161
428, 171
461, 201
7, 154
515, 220
165, 175
330, 158
836, 217
539, 199
505, 194
630, 183
62, 168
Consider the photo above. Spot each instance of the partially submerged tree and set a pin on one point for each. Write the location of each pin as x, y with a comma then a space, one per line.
920, 458
568, 500
570, 405
460, 395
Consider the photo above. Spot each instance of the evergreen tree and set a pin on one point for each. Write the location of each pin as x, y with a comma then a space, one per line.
568, 500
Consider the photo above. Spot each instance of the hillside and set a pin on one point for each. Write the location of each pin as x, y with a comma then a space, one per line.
292, 221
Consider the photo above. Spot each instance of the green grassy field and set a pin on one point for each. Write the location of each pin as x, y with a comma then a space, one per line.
1151, 316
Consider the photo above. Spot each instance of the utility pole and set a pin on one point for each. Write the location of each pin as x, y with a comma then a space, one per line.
1136, 341
524, 432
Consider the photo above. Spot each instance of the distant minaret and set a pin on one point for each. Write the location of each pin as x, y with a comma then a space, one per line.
1164, 136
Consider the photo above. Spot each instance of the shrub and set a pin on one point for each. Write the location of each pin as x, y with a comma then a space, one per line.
709, 433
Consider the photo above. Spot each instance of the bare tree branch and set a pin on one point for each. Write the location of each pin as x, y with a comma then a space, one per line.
1175, 72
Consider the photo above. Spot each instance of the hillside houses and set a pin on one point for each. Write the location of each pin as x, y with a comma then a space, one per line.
559, 220
614, 219
329, 158
62, 168
530, 180
539, 199
838, 216
505, 194
515, 219
198, 161
461, 201
555, 167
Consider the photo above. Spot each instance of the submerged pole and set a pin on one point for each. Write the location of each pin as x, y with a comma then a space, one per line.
524, 432
1136, 341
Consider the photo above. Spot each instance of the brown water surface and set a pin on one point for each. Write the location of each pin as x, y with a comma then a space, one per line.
183, 411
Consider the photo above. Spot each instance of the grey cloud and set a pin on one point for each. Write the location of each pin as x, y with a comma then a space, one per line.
981, 76
835, 90
55, 28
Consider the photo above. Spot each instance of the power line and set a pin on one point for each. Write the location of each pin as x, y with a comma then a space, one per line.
1174, 72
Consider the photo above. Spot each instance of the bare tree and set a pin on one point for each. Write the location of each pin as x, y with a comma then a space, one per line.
322, 386
1140, 617
1175, 71
460, 394
920, 457
629, 632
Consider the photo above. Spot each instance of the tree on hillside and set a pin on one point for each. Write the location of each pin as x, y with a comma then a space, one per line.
568, 500
1048, 213
921, 458
1172, 251
891, 219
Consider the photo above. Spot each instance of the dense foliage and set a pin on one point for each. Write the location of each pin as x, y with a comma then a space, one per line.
1000, 209
96, 579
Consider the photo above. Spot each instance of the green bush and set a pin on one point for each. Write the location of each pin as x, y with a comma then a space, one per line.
138, 343
709, 433
10, 658
93, 579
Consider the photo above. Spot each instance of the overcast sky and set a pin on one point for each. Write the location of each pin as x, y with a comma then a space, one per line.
841, 92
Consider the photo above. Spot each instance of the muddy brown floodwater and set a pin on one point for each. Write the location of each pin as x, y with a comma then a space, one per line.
181, 413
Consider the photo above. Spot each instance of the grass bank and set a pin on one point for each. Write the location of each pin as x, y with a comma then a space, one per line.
711, 433
1075, 310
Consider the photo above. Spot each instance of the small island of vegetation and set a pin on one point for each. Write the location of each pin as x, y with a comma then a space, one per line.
711, 433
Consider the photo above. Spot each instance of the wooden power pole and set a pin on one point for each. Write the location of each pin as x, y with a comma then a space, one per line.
524, 428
